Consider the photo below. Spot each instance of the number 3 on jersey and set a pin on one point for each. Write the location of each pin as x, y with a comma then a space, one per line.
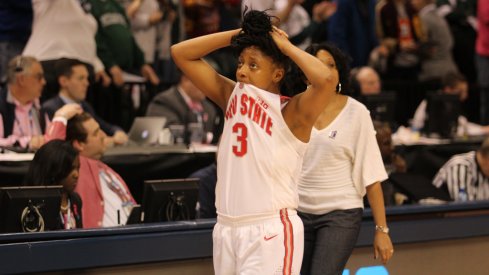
242, 133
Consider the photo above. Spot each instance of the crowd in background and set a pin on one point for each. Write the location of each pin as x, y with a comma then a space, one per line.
405, 41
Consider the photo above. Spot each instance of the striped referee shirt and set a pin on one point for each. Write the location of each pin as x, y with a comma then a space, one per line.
462, 171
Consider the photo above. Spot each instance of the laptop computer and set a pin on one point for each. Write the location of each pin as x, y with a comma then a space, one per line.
145, 130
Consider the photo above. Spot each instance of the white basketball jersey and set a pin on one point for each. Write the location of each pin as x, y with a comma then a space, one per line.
259, 159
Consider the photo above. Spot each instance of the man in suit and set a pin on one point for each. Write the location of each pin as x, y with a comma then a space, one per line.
21, 122
73, 80
184, 103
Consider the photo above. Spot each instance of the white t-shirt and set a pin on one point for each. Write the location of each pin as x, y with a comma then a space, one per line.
340, 162
259, 158
297, 20
114, 211
61, 28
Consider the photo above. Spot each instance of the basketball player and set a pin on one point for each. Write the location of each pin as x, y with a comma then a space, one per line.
262, 145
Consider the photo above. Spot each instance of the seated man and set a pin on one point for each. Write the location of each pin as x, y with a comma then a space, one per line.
21, 122
183, 104
466, 176
454, 84
365, 81
73, 80
106, 198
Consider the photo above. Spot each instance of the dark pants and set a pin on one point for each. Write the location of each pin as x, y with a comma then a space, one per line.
329, 240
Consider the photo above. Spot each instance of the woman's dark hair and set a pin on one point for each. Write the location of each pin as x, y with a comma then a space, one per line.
255, 32
296, 80
52, 163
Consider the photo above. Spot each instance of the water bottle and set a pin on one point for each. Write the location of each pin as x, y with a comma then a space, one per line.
462, 194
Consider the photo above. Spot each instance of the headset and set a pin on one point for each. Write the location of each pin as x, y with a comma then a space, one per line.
19, 65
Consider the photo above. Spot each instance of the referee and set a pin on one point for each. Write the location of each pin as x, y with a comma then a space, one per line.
466, 176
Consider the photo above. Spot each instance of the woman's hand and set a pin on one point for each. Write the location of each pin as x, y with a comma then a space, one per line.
103, 77
383, 247
280, 38
148, 73
69, 110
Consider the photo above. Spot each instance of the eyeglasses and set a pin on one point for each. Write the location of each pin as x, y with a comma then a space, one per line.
38, 76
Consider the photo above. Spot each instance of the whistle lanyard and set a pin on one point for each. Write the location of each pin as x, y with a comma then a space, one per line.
67, 218
115, 186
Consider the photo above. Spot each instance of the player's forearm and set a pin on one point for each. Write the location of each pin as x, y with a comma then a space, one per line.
196, 48
376, 201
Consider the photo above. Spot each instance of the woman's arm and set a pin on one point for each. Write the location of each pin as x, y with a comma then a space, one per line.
382, 242
303, 110
188, 57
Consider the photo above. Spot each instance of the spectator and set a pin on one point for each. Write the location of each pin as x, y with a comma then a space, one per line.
184, 103
64, 29
466, 176
116, 45
21, 122
437, 43
170, 31
313, 29
455, 84
144, 16
365, 81
352, 29
399, 33
260, 5
73, 81
295, 21
462, 20
57, 163
15, 28
482, 58
106, 198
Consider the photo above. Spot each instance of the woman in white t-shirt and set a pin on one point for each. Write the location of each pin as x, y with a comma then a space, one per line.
341, 165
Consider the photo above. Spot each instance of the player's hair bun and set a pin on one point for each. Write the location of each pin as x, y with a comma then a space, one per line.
256, 23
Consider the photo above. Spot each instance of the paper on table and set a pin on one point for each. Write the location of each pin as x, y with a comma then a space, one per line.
202, 148
132, 78
16, 157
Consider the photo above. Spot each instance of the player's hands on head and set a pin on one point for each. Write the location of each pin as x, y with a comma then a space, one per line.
280, 38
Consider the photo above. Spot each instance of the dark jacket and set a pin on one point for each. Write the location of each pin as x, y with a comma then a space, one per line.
172, 105
7, 110
352, 29
15, 20
52, 105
